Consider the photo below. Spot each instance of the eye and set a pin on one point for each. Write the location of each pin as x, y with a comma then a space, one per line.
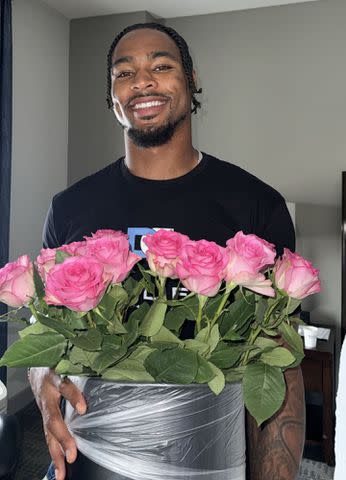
123, 74
162, 68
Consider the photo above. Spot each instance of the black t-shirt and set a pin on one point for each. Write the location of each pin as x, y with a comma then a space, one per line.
213, 201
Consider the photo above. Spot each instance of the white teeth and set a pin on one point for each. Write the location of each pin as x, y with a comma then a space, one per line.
155, 103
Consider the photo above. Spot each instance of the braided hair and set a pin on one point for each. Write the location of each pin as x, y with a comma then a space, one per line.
184, 53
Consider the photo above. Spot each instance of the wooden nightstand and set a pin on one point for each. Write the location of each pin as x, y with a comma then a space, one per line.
318, 373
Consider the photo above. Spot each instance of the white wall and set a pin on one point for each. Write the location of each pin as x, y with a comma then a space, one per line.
40, 133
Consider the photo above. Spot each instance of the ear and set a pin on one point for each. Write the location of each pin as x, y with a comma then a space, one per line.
194, 76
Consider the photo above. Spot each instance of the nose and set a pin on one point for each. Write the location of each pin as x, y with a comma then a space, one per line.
143, 80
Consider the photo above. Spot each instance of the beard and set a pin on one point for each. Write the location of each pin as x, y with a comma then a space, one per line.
155, 137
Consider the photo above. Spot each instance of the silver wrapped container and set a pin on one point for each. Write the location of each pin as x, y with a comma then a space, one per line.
158, 432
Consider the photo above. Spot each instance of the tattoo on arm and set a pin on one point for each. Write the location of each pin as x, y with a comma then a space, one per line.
275, 449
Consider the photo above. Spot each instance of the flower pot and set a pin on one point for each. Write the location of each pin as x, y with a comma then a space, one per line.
158, 431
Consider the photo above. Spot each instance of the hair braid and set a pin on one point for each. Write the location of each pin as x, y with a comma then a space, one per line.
184, 53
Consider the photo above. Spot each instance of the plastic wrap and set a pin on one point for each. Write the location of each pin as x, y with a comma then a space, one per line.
160, 432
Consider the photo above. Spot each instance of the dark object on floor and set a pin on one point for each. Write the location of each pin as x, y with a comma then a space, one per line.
10, 445
34, 459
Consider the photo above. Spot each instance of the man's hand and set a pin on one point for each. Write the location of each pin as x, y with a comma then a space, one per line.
48, 388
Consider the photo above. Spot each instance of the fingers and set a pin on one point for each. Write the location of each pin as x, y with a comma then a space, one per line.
59, 440
69, 391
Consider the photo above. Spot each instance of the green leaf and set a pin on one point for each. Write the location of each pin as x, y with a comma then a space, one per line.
39, 286
147, 280
165, 335
172, 366
205, 372
65, 367
293, 305
217, 384
212, 305
278, 357
107, 305
238, 317
61, 256
134, 290
264, 343
77, 356
132, 325
264, 390
270, 332
111, 340
154, 319
116, 326
226, 357
163, 345
91, 340
211, 339
109, 356
291, 337
44, 350
128, 369
141, 353
234, 374
196, 346
57, 325
175, 318
34, 329
261, 308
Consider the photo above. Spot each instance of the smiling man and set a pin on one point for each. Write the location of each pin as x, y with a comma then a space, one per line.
164, 182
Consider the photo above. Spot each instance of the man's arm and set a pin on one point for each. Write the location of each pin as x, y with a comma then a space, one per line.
274, 450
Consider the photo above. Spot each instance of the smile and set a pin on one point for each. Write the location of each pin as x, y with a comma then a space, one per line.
155, 103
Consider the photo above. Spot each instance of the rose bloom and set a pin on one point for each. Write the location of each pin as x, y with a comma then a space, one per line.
296, 276
78, 283
164, 248
74, 248
114, 253
201, 266
45, 261
249, 255
17, 282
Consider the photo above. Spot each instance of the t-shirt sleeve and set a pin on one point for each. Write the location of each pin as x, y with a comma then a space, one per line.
49, 236
280, 229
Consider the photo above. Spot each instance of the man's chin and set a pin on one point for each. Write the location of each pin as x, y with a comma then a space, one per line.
153, 136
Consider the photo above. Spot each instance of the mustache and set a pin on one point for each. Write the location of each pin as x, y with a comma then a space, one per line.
146, 95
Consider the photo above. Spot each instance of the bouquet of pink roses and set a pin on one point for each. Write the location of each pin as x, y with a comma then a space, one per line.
88, 321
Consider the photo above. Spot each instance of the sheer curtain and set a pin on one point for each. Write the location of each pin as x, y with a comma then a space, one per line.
5, 147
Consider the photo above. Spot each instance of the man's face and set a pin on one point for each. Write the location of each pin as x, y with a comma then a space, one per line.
149, 87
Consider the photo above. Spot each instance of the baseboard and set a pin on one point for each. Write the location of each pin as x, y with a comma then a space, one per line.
20, 400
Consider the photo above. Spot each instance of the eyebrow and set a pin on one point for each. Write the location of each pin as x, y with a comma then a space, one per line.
151, 55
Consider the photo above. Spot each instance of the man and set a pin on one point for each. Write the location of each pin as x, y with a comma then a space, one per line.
164, 182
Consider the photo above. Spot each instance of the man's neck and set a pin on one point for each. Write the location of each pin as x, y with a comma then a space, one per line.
171, 160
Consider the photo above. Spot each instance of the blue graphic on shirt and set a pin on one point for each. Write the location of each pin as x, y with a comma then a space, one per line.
136, 235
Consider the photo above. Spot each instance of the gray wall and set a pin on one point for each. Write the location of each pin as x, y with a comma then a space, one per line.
274, 102
95, 139
40, 132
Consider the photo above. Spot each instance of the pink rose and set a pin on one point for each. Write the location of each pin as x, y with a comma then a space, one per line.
164, 248
249, 255
114, 253
201, 265
296, 276
45, 261
74, 248
17, 282
78, 283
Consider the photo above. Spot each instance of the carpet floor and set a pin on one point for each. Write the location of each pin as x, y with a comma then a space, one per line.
35, 457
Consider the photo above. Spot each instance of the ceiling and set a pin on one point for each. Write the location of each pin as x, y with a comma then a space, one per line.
159, 8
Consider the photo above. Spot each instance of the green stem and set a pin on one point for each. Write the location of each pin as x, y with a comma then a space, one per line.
90, 320
161, 287
33, 311
253, 335
201, 302
229, 288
